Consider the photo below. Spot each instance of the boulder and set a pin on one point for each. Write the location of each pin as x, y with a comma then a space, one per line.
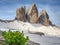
32, 14
20, 14
44, 18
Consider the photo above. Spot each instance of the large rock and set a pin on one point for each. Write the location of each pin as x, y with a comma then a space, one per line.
32, 14
20, 14
44, 18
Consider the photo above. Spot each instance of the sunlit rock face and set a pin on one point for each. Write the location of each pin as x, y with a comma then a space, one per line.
20, 14
32, 14
44, 18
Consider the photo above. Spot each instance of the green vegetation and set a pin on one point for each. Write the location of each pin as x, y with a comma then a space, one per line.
16, 37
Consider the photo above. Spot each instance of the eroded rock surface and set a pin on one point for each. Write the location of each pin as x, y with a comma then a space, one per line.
20, 14
44, 18
32, 14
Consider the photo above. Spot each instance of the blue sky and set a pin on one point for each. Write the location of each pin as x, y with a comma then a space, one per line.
8, 8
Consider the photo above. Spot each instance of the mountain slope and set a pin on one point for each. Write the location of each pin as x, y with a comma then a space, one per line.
25, 26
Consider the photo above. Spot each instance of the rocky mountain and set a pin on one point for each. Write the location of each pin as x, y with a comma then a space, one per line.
31, 15
20, 14
37, 28
44, 18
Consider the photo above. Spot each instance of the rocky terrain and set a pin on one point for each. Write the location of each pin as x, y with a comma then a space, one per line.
31, 15
35, 25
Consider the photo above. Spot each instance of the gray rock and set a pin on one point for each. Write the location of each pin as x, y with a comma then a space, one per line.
31, 43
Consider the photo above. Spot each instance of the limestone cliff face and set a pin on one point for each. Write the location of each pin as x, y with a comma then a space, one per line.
32, 14
20, 14
44, 18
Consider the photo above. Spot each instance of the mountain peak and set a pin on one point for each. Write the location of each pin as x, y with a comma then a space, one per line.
43, 12
32, 15
44, 18
33, 4
20, 14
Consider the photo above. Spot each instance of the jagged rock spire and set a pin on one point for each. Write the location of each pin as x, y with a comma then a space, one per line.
43, 12
32, 14
20, 14
44, 18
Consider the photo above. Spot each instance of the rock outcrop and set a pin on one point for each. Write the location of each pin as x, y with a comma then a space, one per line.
32, 14
20, 14
44, 18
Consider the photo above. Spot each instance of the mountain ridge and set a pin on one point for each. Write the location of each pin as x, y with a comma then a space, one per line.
31, 15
